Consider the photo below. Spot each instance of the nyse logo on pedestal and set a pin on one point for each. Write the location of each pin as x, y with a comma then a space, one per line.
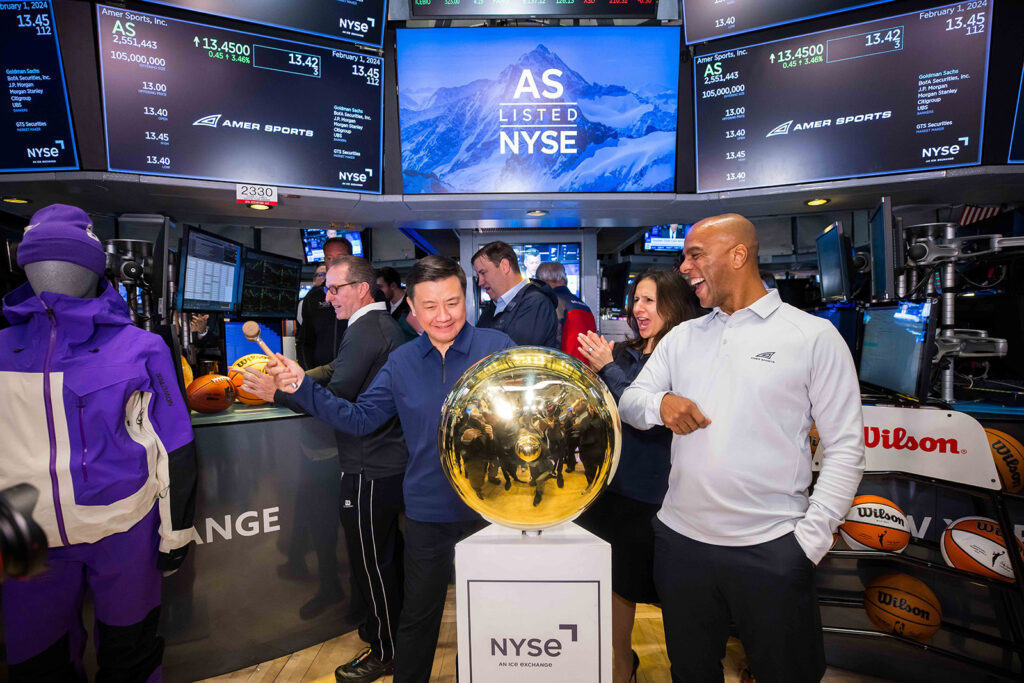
533, 648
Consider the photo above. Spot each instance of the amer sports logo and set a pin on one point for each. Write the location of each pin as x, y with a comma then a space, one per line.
217, 121
212, 120
781, 129
785, 128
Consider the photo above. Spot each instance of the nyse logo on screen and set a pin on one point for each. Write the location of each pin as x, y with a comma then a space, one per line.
944, 152
42, 152
535, 121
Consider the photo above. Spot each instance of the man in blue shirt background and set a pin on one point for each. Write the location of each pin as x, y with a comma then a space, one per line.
413, 384
522, 308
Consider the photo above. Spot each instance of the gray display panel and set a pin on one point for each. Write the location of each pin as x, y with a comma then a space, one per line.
35, 120
197, 101
905, 93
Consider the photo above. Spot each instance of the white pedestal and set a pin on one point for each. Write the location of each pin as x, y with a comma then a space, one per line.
534, 608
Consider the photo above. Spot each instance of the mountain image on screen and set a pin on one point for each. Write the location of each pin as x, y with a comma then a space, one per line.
474, 137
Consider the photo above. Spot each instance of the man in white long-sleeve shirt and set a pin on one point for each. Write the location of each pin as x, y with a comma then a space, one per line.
737, 537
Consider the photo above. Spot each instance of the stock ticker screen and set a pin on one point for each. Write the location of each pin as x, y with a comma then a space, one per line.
710, 19
360, 21
35, 121
640, 9
196, 101
906, 93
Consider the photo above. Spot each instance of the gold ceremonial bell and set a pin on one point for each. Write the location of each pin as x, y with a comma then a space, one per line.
529, 437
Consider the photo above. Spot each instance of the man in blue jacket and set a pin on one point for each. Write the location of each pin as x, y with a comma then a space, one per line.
523, 309
413, 384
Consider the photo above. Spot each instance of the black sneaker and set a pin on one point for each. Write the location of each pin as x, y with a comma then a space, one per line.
364, 668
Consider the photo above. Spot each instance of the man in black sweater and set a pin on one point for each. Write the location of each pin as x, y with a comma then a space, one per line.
372, 466
523, 309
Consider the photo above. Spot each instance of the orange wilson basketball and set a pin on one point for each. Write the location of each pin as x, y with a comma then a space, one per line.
210, 394
875, 523
257, 362
1008, 455
976, 545
900, 604
186, 371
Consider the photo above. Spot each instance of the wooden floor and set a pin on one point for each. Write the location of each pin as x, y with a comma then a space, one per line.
316, 664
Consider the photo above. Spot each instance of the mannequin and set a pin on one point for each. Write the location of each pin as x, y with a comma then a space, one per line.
95, 421
61, 277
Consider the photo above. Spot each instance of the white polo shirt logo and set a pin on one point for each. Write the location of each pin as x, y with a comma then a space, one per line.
765, 357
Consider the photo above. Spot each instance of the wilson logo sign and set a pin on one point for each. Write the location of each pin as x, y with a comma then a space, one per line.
898, 440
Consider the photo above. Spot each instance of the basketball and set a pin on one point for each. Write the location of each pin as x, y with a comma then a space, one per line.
1008, 455
900, 604
256, 362
976, 545
875, 523
186, 371
210, 394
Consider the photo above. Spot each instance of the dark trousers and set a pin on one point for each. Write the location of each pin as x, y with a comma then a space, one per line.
767, 590
43, 614
369, 515
429, 554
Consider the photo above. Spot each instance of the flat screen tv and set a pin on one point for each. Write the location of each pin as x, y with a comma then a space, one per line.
557, 109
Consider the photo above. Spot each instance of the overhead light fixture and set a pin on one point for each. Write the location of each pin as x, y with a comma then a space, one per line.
16, 200
537, 212
259, 207
818, 201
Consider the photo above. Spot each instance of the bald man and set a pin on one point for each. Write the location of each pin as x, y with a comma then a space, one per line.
739, 533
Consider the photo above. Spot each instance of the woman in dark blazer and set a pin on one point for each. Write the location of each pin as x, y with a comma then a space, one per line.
659, 301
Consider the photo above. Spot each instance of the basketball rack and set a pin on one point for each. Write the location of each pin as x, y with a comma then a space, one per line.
1008, 595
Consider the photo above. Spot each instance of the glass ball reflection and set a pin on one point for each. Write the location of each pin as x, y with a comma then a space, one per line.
529, 437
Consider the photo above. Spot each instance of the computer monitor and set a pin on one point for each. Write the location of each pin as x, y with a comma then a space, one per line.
270, 285
532, 255
665, 237
210, 272
886, 252
236, 345
834, 263
899, 343
313, 242
846, 319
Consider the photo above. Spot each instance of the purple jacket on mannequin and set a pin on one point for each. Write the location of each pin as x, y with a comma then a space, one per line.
94, 419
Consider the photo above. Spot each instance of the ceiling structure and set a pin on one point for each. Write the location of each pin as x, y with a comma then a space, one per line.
214, 202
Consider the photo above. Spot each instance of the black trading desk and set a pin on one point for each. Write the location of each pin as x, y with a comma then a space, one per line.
267, 479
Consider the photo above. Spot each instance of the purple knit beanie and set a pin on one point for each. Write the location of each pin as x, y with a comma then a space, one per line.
60, 232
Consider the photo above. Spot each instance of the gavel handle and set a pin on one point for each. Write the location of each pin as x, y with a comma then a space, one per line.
266, 349
270, 354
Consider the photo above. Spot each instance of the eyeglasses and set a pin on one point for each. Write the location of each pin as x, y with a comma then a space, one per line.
333, 289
